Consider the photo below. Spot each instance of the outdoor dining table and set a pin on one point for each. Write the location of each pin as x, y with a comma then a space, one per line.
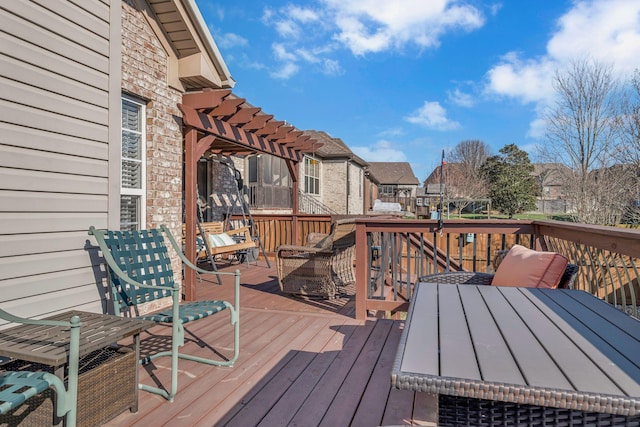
110, 382
520, 356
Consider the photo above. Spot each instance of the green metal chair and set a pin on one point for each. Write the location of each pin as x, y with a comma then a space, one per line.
18, 386
139, 271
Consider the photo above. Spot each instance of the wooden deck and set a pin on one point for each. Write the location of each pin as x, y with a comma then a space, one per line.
302, 363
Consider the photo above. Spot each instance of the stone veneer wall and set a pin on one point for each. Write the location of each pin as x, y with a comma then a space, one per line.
144, 75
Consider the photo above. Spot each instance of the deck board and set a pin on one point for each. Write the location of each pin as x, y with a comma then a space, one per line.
302, 362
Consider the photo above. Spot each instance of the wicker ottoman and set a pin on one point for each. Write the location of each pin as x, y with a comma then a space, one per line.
455, 411
106, 388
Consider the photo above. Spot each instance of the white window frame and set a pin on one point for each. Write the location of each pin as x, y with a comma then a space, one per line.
142, 191
307, 164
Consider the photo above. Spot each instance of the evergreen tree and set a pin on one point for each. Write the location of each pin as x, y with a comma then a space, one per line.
512, 187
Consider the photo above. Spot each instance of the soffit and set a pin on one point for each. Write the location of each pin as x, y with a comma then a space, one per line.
228, 125
200, 62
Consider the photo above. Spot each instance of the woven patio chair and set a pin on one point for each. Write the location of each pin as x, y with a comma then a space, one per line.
323, 267
476, 278
139, 271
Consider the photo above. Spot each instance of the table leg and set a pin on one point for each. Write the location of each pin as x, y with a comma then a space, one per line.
136, 345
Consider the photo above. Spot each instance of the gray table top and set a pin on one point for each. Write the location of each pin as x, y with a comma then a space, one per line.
50, 344
557, 348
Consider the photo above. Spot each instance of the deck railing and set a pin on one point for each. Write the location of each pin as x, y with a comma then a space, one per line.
397, 252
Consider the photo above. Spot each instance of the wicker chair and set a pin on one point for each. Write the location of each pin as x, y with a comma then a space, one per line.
323, 266
475, 278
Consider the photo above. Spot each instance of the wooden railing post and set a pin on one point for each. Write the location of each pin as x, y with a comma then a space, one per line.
294, 230
362, 281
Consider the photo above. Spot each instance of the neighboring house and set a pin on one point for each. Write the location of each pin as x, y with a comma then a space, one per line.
334, 176
460, 192
371, 190
397, 183
452, 175
423, 204
100, 101
550, 179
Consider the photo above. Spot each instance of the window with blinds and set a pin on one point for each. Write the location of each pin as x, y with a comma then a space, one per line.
132, 193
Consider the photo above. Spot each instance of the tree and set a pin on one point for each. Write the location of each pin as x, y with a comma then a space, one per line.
512, 187
581, 132
464, 183
628, 152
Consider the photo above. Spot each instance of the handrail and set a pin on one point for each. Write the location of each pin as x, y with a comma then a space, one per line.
609, 257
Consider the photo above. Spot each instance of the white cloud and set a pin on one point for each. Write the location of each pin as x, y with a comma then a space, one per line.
287, 29
290, 62
381, 151
307, 56
527, 80
433, 116
607, 31
287, 70
289, 20
537, 128
376, 25
304, 14
281, 52
331, 67
367, 26
460, 98
392, 132
229, 40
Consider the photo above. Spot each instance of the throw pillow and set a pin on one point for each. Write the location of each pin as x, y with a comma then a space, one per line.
525, 267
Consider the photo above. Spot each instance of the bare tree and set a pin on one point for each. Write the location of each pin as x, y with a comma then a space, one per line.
628, 151
581, 132
464, 183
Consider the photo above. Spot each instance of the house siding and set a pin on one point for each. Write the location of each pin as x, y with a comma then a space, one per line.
58, 65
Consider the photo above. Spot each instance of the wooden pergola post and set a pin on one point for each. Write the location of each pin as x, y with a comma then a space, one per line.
190, 198
295, 199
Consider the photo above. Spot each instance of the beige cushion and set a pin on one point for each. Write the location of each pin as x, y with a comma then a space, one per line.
527, 268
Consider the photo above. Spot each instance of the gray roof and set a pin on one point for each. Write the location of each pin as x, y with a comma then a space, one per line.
393, 173
333, 147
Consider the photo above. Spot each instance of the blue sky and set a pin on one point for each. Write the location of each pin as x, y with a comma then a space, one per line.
401, 80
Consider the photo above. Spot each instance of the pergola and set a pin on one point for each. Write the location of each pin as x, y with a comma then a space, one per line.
217, 121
